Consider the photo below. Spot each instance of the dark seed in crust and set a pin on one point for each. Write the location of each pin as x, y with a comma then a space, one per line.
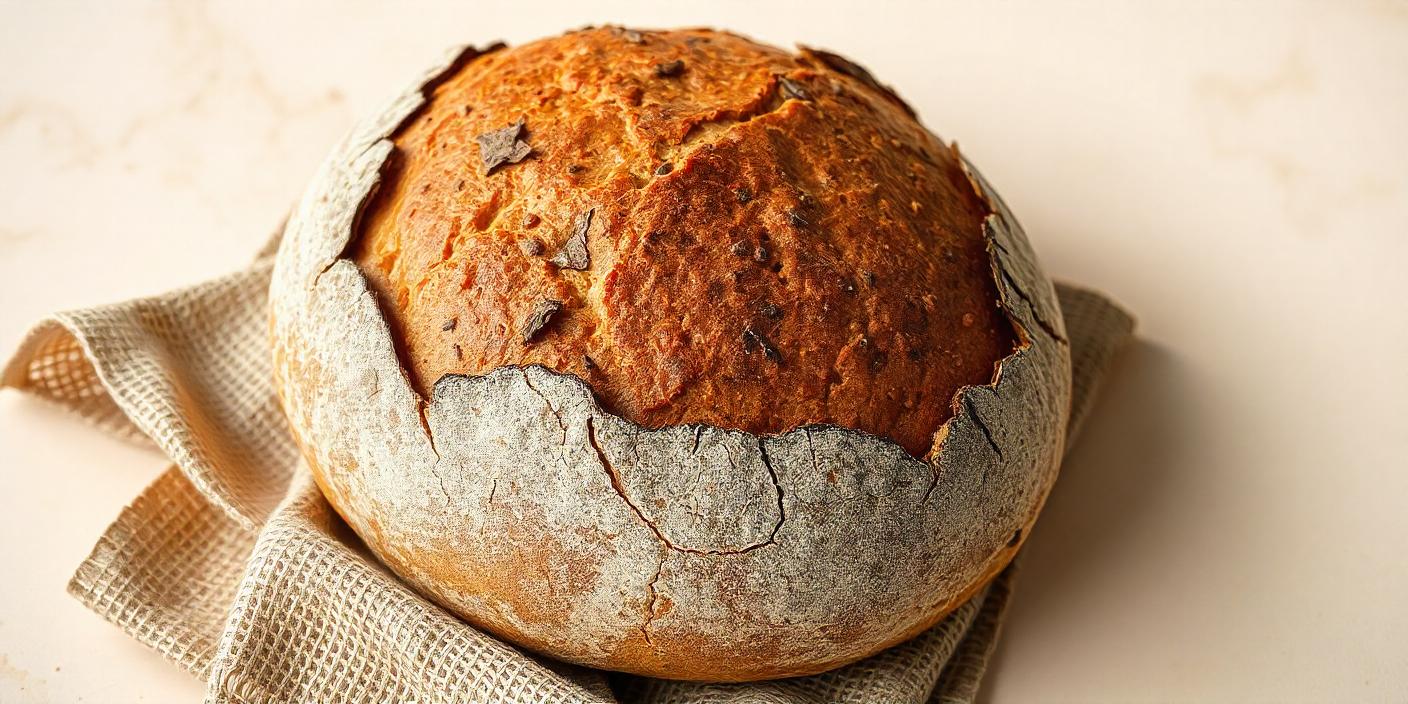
755, 341
573, 254
669, 69
541, 316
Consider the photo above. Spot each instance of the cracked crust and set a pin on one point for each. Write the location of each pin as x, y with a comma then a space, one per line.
521, 503
837, 242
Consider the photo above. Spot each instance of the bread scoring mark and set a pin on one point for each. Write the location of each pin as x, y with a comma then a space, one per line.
698, 132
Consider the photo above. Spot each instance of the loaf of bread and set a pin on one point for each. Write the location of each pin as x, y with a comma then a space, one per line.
671, 353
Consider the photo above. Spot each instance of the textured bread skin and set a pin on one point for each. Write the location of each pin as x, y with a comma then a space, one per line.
773, 242
519, 503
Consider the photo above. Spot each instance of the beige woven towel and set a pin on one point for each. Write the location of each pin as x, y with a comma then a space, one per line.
233, 565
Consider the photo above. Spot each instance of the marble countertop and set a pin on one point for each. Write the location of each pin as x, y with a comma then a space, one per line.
1230, 527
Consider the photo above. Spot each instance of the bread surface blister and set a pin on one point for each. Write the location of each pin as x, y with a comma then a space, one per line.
516, 500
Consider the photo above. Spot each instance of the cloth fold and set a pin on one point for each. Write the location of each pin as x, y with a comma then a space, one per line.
232, 565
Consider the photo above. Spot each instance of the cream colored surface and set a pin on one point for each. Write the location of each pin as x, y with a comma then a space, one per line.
1230, 525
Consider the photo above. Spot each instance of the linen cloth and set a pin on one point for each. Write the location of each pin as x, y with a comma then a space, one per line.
232, 564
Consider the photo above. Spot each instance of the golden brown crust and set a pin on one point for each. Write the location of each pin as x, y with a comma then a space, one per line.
770, 240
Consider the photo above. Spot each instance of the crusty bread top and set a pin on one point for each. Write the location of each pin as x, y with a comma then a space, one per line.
705, 229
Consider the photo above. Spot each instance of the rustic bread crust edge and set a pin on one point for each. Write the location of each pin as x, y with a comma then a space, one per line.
688, 552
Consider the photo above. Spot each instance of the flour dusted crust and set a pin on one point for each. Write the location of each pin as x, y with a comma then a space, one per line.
691, 551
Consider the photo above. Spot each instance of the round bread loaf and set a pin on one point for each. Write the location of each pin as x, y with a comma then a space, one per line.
670, 353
